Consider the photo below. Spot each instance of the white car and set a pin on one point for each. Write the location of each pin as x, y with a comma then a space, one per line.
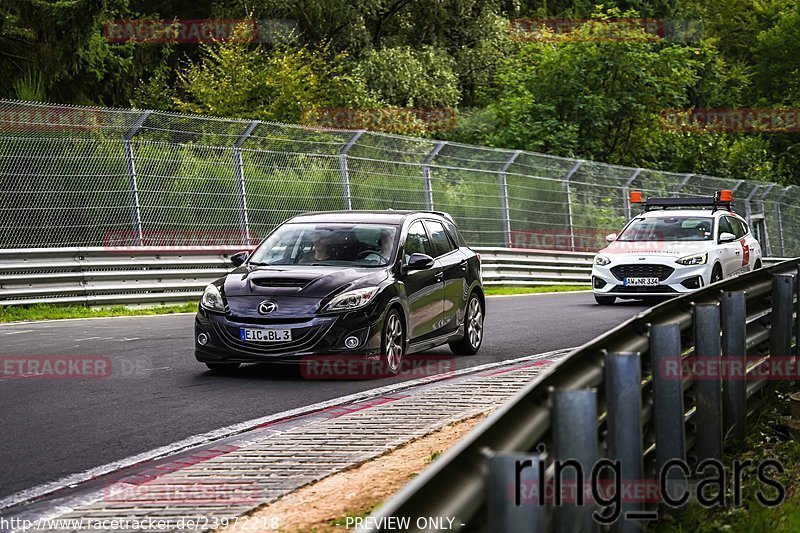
677, 245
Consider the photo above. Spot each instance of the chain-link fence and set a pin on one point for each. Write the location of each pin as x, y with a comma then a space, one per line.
74, 176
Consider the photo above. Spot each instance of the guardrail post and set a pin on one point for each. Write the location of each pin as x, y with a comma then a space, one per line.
513, 492
626, 194
238, 168
780, 331
426, 174
344, 172
677, 192
574, 440
779, 220
734, 351
623, 392
668, 411
568, 195
708, 387
133, 186
504, 197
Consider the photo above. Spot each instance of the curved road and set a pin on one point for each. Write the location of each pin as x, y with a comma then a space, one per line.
156, 393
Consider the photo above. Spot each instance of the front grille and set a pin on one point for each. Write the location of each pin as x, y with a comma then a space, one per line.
303, 338
660, 289
661, 272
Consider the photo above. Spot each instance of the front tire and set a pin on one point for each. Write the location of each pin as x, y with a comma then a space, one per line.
222, 367
393, 342
605, 300
473, 329
716, 273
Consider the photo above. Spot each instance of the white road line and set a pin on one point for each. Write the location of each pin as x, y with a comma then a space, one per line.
228, 431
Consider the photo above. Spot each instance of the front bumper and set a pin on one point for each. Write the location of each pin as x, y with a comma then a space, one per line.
682, 279
317, 335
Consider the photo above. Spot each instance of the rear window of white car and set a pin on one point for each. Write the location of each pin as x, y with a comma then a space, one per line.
669, 228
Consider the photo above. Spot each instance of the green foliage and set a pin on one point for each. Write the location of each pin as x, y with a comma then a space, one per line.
237, 79
51, 312
406, 77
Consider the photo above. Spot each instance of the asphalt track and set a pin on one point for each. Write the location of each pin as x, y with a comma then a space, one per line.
156, 393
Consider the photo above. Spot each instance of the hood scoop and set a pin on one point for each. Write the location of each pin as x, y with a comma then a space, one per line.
279, 283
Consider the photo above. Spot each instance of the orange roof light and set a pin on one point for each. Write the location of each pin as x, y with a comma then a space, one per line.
636, 197
726, 195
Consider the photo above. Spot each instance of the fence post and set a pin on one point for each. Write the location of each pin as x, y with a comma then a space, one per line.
677, 192
797, 316
426, 174
734, 351
133, 186
761, 199
626, 193
623, 394
565, 185
508, 478
504, 197
708, 389
238, 168
779, 220
668, 411
575, 440
780, 331
748, 207
343, 170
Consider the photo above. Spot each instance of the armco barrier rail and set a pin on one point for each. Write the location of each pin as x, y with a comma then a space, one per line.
105, 276
613, 398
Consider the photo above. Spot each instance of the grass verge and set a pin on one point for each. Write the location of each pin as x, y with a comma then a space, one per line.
768, 438
500, 290
49, 312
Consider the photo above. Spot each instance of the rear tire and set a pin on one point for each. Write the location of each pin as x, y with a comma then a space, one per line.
605, 300
393, 342
473, 328
222, 368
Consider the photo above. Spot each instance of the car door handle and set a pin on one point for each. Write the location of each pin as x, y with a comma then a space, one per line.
439, 276
737, 252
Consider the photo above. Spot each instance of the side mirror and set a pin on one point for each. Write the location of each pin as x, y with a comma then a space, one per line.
611, 237
726, 237
238, 259
419, 262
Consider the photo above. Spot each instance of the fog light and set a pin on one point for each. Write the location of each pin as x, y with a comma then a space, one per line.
202, 339
693, 283
598, 283
351, 342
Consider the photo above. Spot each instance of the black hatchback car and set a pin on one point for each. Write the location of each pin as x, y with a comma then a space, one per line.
381, 284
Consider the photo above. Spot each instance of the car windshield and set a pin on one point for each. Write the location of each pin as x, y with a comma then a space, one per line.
328, 244
671, 228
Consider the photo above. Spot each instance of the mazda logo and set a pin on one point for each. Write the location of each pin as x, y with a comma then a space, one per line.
266, 307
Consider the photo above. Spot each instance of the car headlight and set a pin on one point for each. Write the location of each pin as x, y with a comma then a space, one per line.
352, 299
696, 259
212, 299
601, 260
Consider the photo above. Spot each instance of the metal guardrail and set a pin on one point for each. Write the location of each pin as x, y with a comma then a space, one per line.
106, 276
605, 401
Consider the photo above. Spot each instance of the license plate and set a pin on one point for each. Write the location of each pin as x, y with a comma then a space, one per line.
641, 282
265, 335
